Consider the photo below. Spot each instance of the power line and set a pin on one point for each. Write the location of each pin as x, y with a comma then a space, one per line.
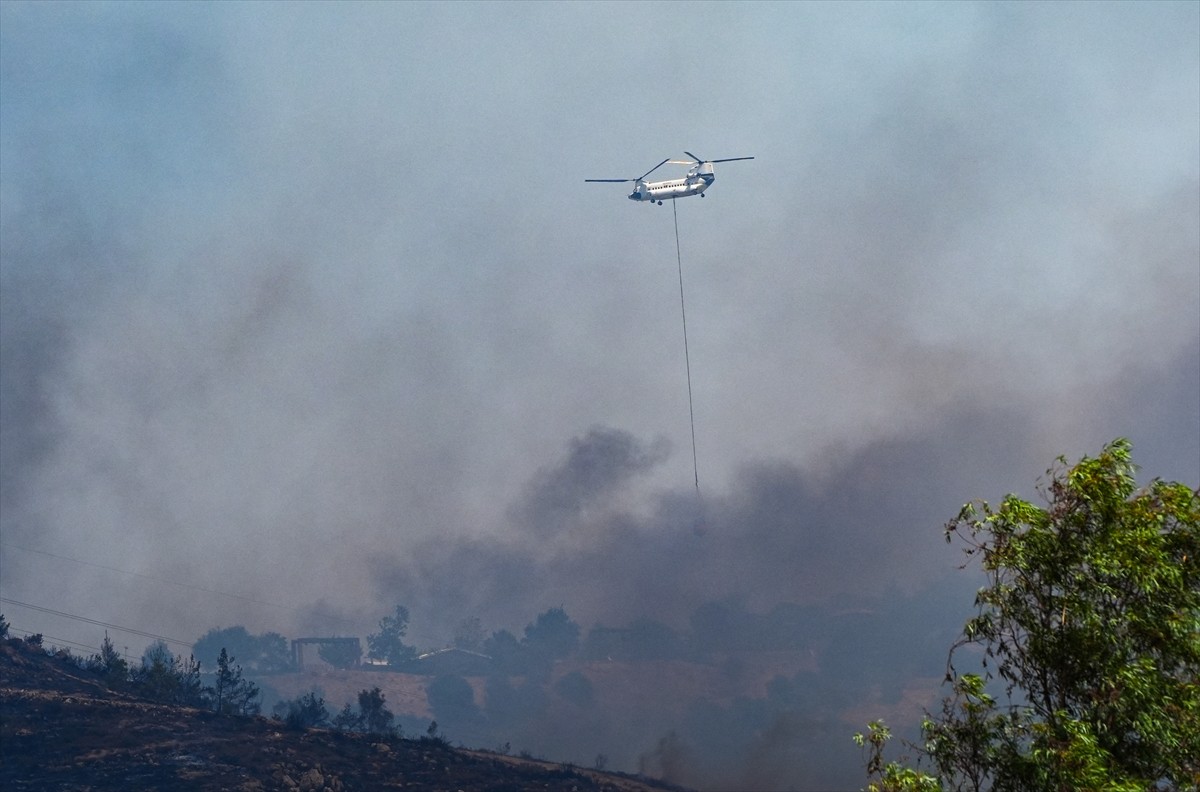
54, 640
57, 642
76, 617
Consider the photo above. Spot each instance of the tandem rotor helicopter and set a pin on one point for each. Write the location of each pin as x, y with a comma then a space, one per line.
699, 178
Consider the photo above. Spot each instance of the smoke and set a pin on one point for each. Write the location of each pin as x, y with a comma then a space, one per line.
596, 466
301, 318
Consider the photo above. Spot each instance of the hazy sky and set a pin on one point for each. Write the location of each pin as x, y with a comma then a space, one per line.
310, 304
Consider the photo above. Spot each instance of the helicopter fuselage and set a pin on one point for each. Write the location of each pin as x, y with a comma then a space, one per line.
699, 178
657, 192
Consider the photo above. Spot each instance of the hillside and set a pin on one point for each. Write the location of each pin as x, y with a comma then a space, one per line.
60, 728
622, 687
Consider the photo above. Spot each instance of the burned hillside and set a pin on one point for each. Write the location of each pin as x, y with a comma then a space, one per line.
61, 727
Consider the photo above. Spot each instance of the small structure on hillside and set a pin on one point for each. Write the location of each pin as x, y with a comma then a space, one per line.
338, 652
453, 660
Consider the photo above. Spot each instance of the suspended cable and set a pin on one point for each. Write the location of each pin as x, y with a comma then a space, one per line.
56, 641
129, 630
686, 358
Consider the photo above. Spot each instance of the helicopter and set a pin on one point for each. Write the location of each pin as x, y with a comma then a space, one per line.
699, 178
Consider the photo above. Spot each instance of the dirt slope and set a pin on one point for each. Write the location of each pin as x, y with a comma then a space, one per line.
61, 729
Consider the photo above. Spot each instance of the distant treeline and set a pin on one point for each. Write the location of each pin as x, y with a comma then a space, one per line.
715, 629
166, 678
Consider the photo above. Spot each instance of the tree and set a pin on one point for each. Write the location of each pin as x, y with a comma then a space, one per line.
265, 653
230, 693
189, 691
158, 653
234, 640
1090, 622
155, 678
387, 644
109, 664
344, 654
348, 719
306, 712
470, 635
166, 677
890, 776
553, 635
273, 654
506, 652
375, 717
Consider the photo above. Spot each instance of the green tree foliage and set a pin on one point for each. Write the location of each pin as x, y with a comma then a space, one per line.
376, 718
1090, 622
505, 651
3, 627
266, 653
164, 677
231, 694
158, 654
341, 655
348, 719
109, 664
554, 634
388, 643
551, 637
887, 776
274, 655
189, 691
306, 712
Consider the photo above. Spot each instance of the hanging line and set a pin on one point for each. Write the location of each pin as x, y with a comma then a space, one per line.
686, 358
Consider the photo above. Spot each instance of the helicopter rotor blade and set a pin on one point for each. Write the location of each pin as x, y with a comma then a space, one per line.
693, 161
656, 167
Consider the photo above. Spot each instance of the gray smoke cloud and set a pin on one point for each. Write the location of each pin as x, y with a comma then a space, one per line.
596, 466
306, 311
